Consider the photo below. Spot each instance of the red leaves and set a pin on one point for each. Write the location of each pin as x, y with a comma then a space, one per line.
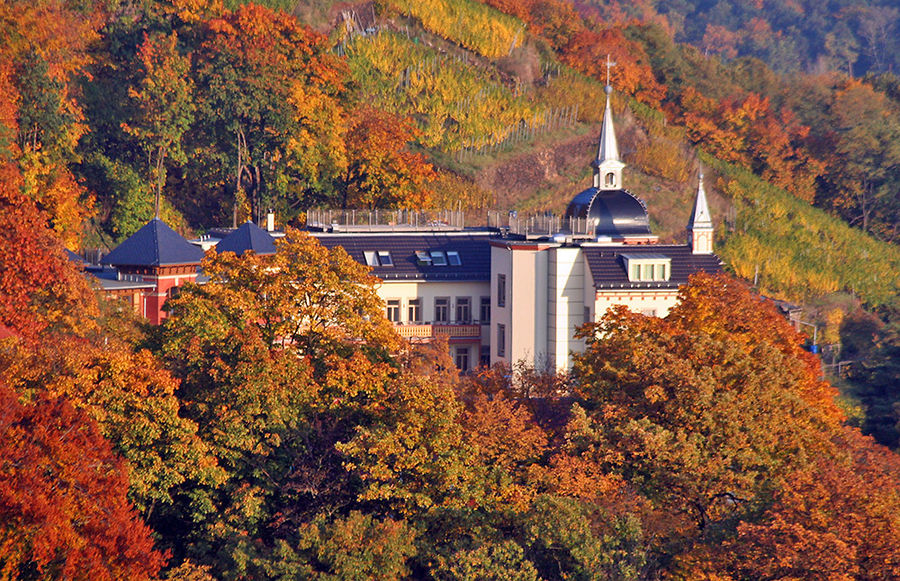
587, 50
39, 286
63, 508
838, 519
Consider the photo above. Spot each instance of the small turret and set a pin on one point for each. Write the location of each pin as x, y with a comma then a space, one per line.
700, 226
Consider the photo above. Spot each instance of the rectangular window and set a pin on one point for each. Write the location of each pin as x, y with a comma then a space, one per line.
462, 358
393, 310
438, 258
646, 268
423, 258
385, 258
463, 310
501, 290
453, 258
442, 310
587, 314
648, 312
501, 340
485, 313
415, 310
485, 353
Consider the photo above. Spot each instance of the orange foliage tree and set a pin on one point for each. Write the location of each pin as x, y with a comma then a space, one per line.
40, 288
163, 100
132, 400
837, 519
587, 51
63, 507
704, 411
381, 171
747, 130
268, 103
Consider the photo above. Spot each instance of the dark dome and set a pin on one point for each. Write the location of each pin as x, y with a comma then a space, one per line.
613, 212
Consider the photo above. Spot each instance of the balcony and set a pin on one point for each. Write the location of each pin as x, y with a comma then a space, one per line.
430, 331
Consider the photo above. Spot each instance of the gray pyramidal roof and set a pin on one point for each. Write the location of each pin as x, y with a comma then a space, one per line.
155, 244
248, 236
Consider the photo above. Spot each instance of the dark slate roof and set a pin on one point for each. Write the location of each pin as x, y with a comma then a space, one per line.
79, 261
608, 267
474, 251
155, 244
616, 212
248, 236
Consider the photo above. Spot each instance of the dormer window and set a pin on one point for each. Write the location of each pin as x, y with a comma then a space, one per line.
647, 267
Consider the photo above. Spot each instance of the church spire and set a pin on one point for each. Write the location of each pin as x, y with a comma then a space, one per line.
608, 166
700, 225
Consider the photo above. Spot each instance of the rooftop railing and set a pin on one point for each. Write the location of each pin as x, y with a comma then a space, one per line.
531, 225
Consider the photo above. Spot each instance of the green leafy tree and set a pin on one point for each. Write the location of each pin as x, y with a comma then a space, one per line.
164, 105
279, 358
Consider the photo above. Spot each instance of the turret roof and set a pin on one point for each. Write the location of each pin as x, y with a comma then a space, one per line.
155, 244
700, 217
248, 236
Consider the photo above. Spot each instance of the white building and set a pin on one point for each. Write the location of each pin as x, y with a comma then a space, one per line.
503, 297
545, 288
435, 283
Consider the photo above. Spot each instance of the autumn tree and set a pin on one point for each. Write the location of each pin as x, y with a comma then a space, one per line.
705, 412
381, 171
268, 106
131, 399
631, 74
63, 498
861, 146
45, 45
838, 518
279, 358
40, 288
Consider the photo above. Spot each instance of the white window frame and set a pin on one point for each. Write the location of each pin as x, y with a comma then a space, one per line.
445, 304
414, 310
393, 307
465, 302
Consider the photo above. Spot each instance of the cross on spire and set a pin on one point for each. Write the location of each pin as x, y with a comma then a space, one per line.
609, 64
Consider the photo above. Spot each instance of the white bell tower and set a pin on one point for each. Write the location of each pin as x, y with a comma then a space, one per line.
700, 226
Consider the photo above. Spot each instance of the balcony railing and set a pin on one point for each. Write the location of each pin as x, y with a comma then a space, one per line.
428, 331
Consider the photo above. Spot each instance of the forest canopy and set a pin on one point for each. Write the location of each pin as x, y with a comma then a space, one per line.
276, 426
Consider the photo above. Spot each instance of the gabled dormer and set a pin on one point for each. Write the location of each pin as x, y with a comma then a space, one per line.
647, 267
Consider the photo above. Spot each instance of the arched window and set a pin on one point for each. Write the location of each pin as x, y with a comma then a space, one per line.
610, 179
